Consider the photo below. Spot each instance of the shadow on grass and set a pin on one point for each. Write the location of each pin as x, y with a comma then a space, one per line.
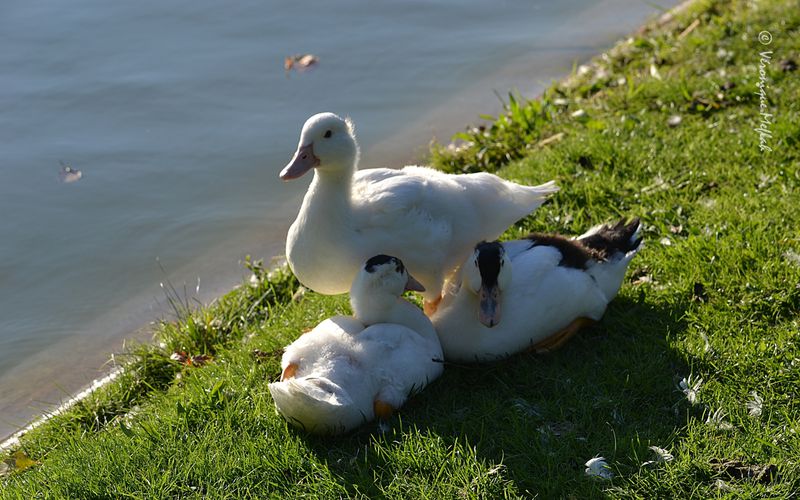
610, 391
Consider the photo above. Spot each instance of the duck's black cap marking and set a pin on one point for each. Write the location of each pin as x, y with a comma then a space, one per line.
489, 261
382, 259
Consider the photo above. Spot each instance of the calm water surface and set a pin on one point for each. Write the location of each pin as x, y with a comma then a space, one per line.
180, 116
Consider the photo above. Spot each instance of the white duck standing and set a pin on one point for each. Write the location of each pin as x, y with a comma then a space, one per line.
348, 370
546, 287
428, 219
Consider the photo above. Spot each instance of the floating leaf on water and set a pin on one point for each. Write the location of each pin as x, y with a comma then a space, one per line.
300, 62
67, 174
307, 60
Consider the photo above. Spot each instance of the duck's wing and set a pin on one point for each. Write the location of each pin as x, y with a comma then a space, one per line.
383, 197
462, 208
318, 405
327, 341
546, 285
432, 220
400, 214
404, 360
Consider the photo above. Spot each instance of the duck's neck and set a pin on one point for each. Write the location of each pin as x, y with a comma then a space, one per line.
386, 308
371, 308
329, 192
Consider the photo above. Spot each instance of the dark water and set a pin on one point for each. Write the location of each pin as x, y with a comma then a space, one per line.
179, 115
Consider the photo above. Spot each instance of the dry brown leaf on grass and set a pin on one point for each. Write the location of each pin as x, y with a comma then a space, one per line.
260, 355
735, 469
553, 138
186, 359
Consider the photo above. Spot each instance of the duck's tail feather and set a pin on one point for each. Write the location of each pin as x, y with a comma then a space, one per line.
536, 195
618, 244
519, 201
315, 404
613, 239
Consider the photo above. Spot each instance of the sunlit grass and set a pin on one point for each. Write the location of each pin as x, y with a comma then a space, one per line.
713, 298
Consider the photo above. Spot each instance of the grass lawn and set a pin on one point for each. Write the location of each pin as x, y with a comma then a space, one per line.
661, 127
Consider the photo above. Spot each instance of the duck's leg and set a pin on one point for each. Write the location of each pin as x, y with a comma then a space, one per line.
382, 409
559, 338
429, 307
289, 371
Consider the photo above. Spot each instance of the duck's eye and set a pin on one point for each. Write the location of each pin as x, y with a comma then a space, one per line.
327, 134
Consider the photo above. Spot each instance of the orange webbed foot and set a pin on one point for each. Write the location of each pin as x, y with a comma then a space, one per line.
559, 338
382, 410
289, 371
429, 307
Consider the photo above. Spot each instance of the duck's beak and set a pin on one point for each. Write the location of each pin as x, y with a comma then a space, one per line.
414, 285
302, 161
489, 310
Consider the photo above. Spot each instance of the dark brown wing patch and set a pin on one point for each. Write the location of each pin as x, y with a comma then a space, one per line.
573, 252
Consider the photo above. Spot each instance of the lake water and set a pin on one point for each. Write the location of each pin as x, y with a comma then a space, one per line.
179, 115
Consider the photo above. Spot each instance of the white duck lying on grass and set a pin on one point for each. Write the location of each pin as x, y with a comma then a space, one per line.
348, 370
428, 219
546, 287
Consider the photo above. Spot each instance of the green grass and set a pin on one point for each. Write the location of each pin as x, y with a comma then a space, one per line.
715, 294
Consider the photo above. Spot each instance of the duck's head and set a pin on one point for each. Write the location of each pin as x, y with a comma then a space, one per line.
377, 287
327, 143
487, 274
384, 275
